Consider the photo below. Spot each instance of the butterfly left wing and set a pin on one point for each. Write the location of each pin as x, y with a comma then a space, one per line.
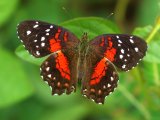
41, 38
100, 77
59, 70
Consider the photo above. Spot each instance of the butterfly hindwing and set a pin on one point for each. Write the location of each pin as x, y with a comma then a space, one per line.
58, 71
41, 38
100, 78
124, 51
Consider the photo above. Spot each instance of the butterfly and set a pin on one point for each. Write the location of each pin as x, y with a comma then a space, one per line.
71, 59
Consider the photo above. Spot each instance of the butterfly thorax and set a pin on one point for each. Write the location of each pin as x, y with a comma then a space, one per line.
83, 44
82, 52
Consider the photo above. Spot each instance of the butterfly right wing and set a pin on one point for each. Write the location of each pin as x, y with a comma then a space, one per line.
105, 51
124, 51
100, 77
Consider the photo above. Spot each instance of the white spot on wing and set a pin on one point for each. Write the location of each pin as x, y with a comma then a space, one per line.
131, 37
109, 85
47, 30
122, 51
136, 49
47, 33
119, 41
42, 38
49, 75
117, 36
120, 56
37, 52
28, 32
46, 82
42, 44
35, 26
123, 66
112, 79
47, 69
35, 40
131, 41
51, 26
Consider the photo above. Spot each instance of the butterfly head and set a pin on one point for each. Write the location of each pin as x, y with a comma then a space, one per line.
84, 37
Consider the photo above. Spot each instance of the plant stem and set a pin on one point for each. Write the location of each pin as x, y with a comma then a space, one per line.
135, 102
150, 37
154, 30
120, 11
156, 74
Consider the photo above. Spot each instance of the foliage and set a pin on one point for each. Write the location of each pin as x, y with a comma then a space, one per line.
23, 95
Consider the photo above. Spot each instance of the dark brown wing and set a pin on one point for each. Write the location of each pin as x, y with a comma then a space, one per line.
124, 51
41, 38
59, 70
100, 78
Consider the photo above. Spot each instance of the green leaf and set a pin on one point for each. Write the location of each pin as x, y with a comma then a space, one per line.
75, 112
23, 53
93, 25
135, 102
153, 47
7, 8
142, 32
152, 55
14, 84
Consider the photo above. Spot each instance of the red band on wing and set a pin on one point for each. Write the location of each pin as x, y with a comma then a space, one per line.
62, 65
58, 33
110, 52
102, 43
65, 36
99, 72
54, 45
109, 38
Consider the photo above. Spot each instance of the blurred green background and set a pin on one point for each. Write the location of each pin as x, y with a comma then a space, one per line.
23, 94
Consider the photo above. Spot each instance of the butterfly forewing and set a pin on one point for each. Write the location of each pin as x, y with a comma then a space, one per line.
124, 51
41, 38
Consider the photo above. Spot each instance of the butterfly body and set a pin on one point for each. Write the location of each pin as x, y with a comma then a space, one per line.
92, 62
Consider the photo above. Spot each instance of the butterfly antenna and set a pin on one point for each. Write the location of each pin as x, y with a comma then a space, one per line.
71, 16
110, 15
92, 26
